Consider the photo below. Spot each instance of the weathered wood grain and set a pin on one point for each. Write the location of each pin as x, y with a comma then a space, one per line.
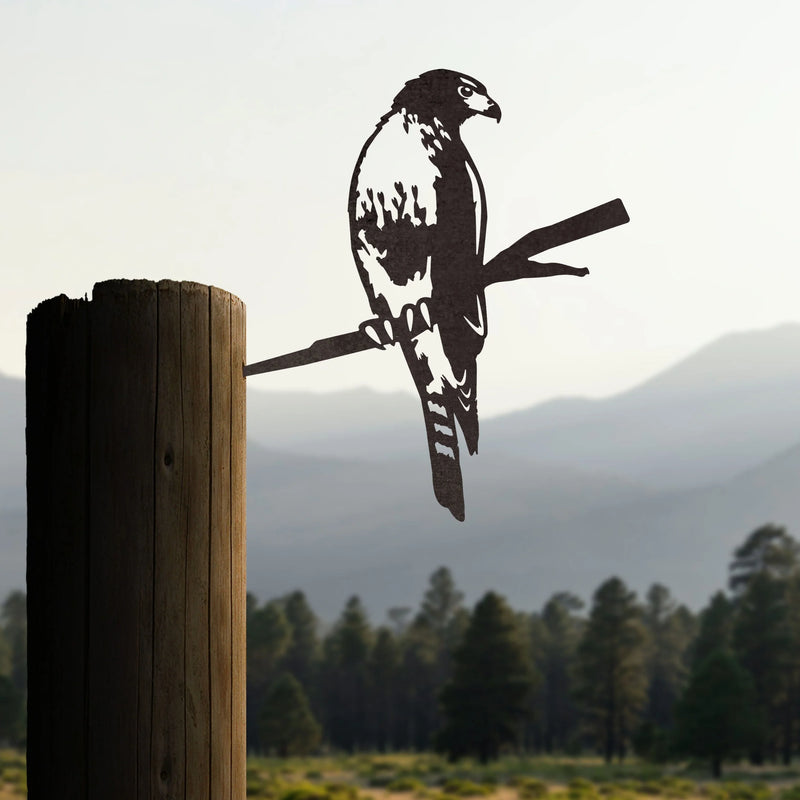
196, 388
122, 403
238, 551
220, 573
168, 756
136, 569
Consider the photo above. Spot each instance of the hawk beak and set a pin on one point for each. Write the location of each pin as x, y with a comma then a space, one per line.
492, 110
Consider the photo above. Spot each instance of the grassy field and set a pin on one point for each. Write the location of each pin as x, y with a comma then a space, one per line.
428, 777
13, 782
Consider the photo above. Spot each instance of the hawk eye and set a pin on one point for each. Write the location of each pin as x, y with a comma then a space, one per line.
465, 91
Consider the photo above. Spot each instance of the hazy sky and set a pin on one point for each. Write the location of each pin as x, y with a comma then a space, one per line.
214, 141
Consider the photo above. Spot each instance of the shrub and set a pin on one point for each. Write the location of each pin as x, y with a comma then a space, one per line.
650, 787
305, 791
380, 781
460, 787
341, 791
405, 784
580, 788
529, 788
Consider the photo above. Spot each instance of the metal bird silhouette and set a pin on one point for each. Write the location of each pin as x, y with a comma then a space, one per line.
417, 229
417, 212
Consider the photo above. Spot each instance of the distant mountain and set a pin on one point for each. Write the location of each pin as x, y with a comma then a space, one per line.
336, 528
12, 485
529, 531
658, 483
12, 437
724, 409
298, 421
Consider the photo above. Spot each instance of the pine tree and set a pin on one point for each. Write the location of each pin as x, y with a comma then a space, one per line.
441, 602
716, 629
556, 633
345, 667
286, 723
486, 702
440, 612
384, 672
303, 652
612, 681
665, 656
14, 618
761, 639
419, 685
716, 717
12, 704
268, 638
768, 549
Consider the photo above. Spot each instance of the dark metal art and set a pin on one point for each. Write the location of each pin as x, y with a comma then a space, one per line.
417, 212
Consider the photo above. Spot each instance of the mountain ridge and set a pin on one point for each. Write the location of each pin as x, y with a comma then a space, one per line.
563, 494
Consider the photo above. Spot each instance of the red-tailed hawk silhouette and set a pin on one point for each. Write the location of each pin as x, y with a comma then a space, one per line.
417, 225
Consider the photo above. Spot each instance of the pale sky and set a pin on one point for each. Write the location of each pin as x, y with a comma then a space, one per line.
214, 141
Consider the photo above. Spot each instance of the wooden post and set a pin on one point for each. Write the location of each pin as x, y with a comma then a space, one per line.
136, 544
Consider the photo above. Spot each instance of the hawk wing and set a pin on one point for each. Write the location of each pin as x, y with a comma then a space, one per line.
416, 226
393, 217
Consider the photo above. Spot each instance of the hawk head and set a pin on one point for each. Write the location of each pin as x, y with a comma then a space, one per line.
450, 96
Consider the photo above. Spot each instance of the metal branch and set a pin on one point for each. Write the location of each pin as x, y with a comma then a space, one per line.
510, 264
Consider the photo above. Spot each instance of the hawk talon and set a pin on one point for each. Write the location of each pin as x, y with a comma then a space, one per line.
416, 318
426, 314
370, 330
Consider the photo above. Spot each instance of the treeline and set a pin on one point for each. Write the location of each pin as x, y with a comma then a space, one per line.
647, 676
13, 669
623, 675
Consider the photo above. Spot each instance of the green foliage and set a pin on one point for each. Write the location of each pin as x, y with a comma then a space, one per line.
737, 790
716, 717
302, 653
12, 712
768, 550
337, 790
268, 638
461, 787
441, 602
762, 642
612, 679
529, 788
668, 639
305, 791
486, 701
5, 655
716, 629
286, 722
346, 677
581, 789
405, 785
14, 620
555, 634
651, 742
384, 683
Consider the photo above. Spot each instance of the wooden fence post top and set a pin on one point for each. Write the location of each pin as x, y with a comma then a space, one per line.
136, 448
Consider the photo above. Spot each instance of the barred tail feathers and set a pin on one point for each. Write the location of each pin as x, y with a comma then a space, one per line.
440, 427
440, 424
465, 405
